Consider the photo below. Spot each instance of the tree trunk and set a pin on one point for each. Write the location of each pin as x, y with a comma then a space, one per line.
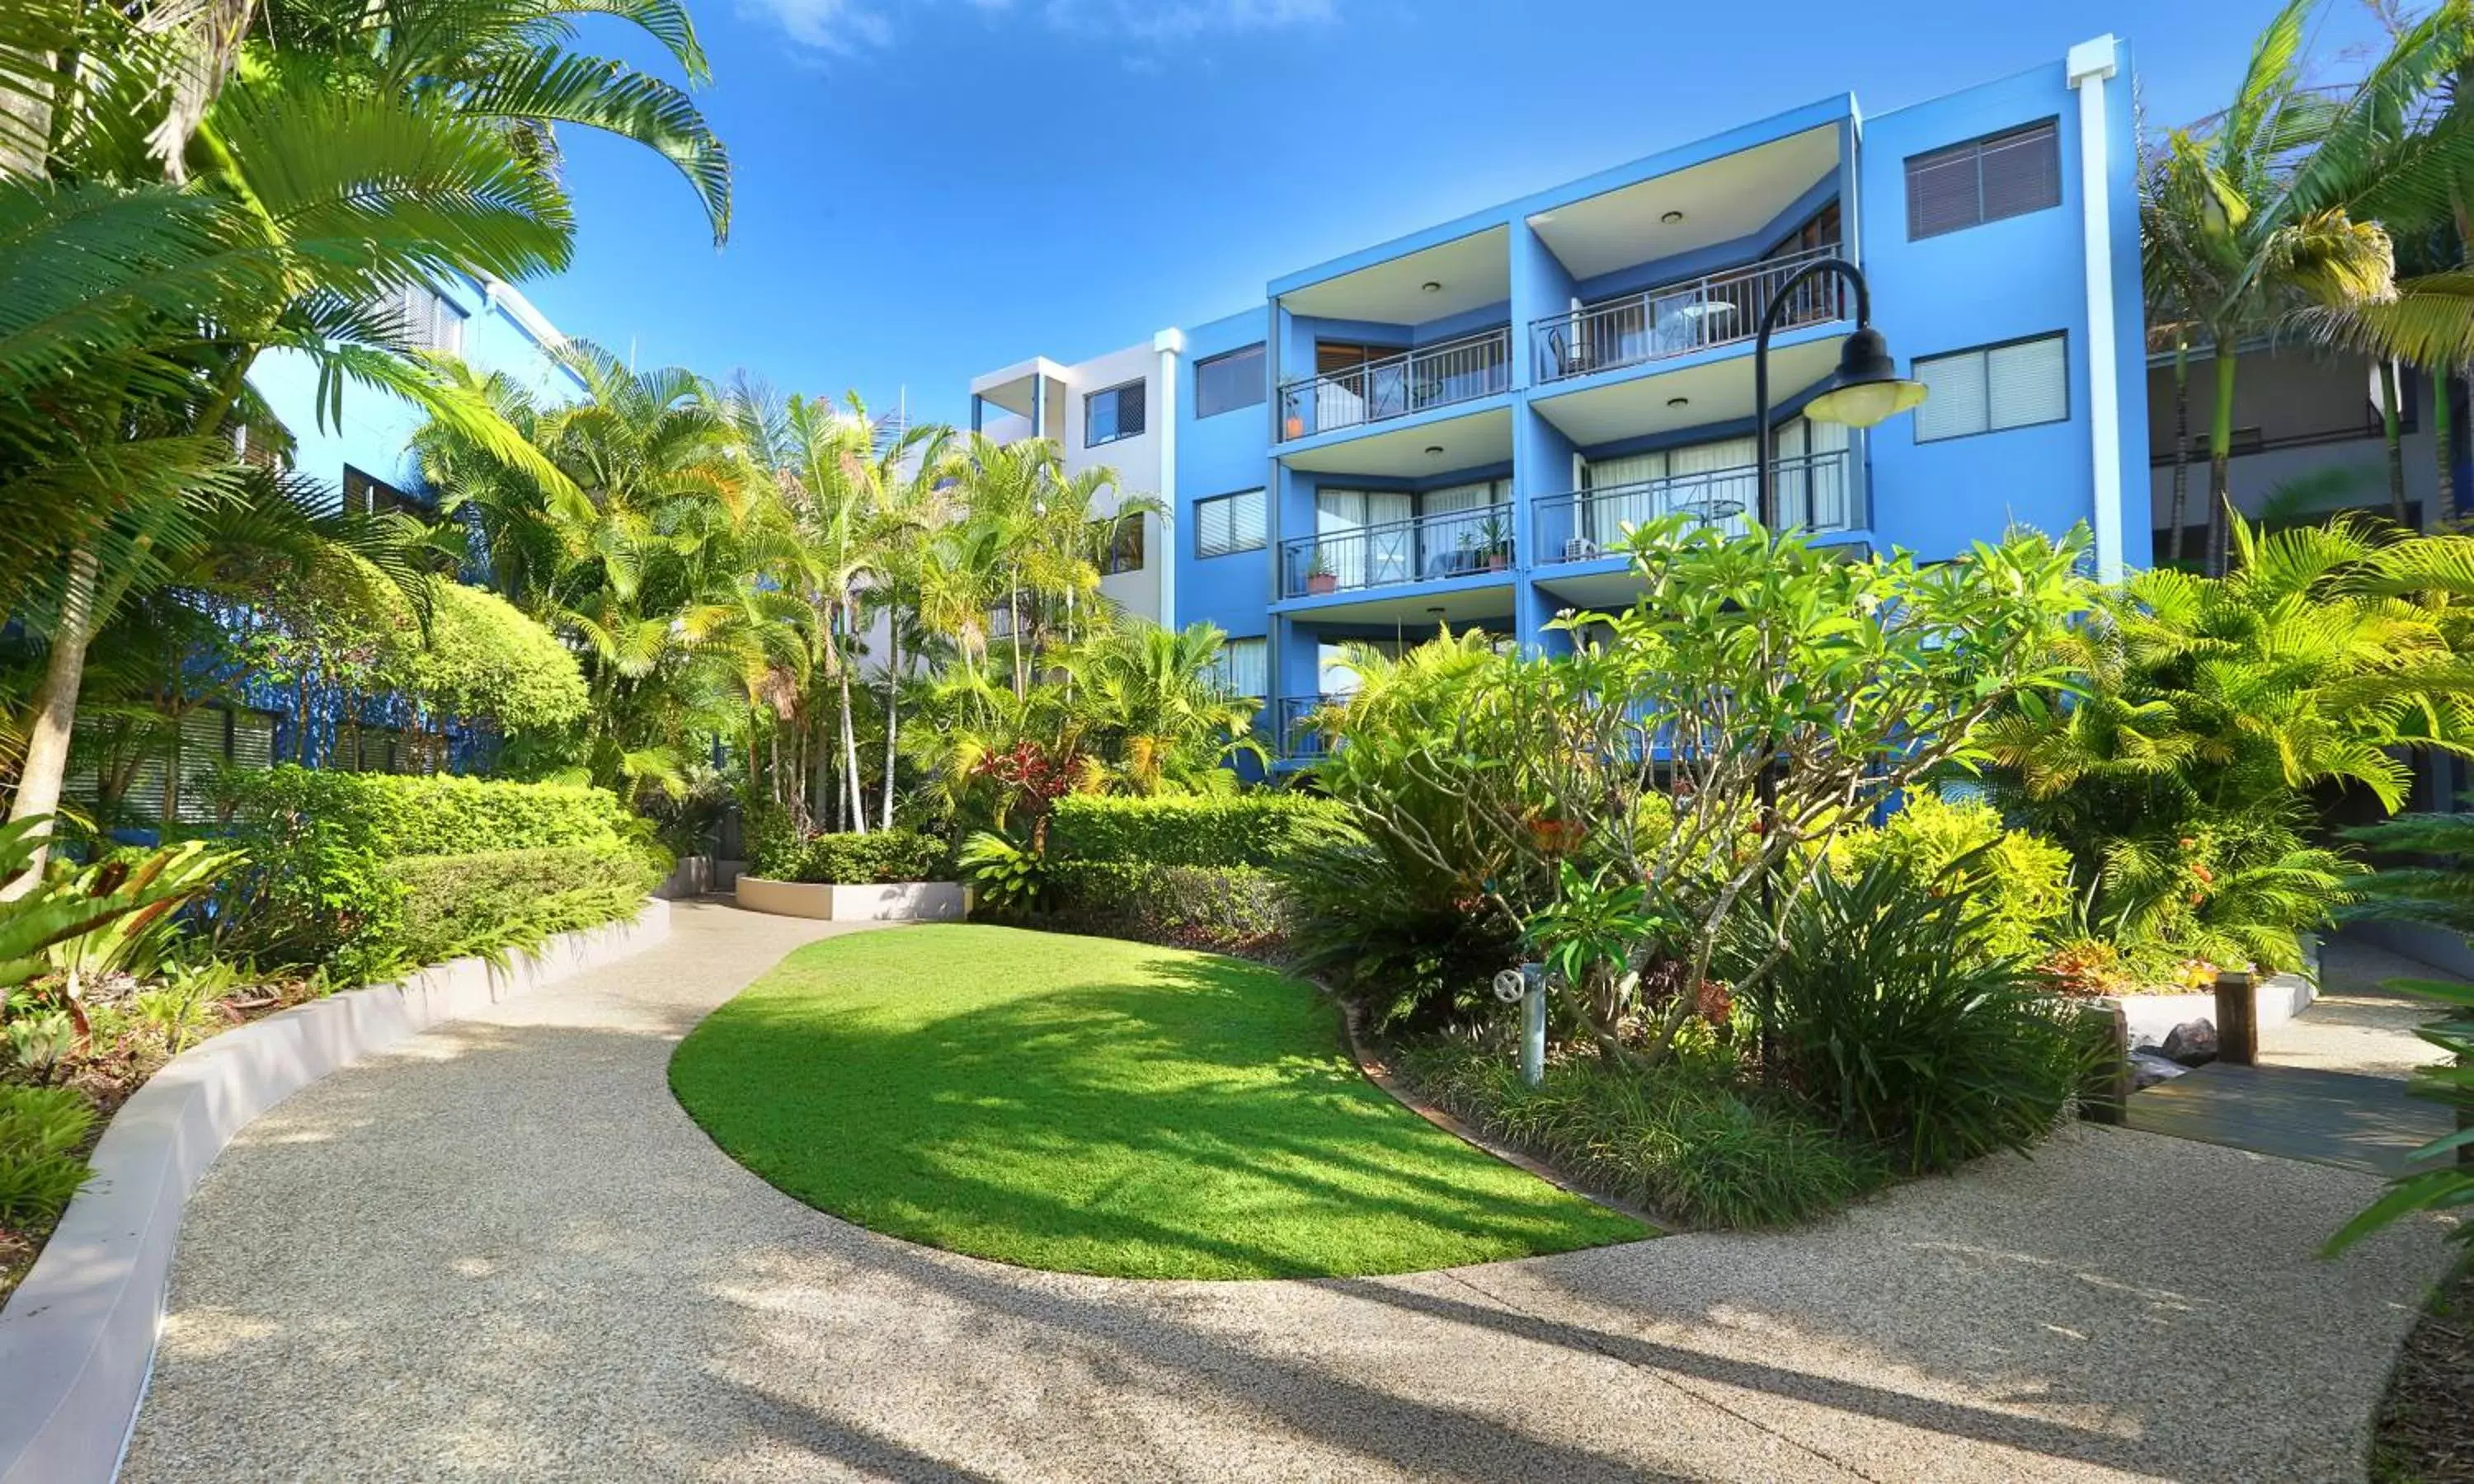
2181, 503
893, 711
850, 760
55, 718
2443, 449
2395, 443
2221, 444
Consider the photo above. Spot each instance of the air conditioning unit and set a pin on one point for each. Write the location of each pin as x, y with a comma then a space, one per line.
1580, 548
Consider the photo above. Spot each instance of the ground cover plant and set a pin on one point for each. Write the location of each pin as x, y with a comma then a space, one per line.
1096, 1107
1685, 1145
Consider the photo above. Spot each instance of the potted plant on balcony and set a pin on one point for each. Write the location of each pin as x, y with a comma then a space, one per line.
1319, 577
1494, 544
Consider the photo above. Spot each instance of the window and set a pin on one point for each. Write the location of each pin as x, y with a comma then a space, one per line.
366, 494
427, 322
1111, 415
1984, 180
1224, 383
1228, 523
1125, 549
1243, 668
1819, 231
1997, 386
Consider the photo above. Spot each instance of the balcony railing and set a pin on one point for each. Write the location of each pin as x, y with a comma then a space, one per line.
1298, 739
1458, 543
1812, 493
1679, 318
1438, 376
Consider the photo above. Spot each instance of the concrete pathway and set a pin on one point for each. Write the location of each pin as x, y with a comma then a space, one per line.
2356, 1025
506, 1255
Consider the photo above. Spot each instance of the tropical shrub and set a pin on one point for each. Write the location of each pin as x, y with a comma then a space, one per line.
1258, 829
880, 855
453, 905
1901, 1039
41, 1130
328, 887
2210, 709
1392, 936
432, 814
1009, 879
1235, 909
1640, 752
2020, 880
2426, 872
1682, 1144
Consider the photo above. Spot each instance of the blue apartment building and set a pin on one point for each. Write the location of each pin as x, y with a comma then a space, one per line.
1455, 425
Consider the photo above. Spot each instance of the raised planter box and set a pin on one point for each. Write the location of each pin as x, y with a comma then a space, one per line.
833, 901
77, 1338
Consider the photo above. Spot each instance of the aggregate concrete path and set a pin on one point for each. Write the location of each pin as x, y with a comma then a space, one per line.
506, 1255
2357, 1024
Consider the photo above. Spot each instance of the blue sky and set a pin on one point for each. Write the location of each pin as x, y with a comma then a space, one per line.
932, 188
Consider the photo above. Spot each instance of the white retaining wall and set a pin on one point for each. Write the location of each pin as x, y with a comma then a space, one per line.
889, 902
76, 1339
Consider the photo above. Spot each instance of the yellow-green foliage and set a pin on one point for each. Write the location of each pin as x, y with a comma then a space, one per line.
2023, 881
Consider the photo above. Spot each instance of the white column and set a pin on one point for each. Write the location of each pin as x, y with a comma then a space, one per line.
1170, 344
2089, 65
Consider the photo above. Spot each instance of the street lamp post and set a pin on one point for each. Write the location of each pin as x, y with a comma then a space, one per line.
1864, 391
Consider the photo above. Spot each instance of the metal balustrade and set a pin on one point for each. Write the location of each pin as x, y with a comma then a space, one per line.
1438, 376
1679, 318
1453, 543
1297, 739
1813, 492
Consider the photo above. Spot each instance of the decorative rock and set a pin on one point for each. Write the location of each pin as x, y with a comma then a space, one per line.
2147, 1068
2193, 1043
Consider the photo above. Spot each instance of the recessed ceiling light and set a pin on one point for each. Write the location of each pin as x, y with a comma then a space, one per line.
1434, 450
1672, 217
1678, 401
1432, 286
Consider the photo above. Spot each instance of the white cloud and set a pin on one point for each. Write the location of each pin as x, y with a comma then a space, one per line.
858, 27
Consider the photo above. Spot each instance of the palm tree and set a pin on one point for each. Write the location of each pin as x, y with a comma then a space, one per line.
1047, 524
1156, 698
2273, 204
198, 211
639, 555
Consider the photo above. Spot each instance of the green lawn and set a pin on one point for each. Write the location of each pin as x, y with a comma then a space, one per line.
1094, 1106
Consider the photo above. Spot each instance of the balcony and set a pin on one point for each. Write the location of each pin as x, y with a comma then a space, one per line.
1680, 318
1426, 548
1587, 524
1437, 376
1297, 739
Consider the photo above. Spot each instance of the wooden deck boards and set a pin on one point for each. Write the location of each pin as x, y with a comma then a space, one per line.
2340, 1119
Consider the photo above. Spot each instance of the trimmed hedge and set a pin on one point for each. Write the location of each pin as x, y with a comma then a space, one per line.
1234, 909
852, 859
1255, 830
415, 814
330, 884
452, 905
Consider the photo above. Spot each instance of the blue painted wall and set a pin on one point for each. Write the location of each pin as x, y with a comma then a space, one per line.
2001, 281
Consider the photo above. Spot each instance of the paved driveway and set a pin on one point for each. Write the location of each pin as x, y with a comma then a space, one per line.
504, 1253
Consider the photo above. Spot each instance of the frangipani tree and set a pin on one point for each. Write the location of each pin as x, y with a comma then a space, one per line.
1622, 785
